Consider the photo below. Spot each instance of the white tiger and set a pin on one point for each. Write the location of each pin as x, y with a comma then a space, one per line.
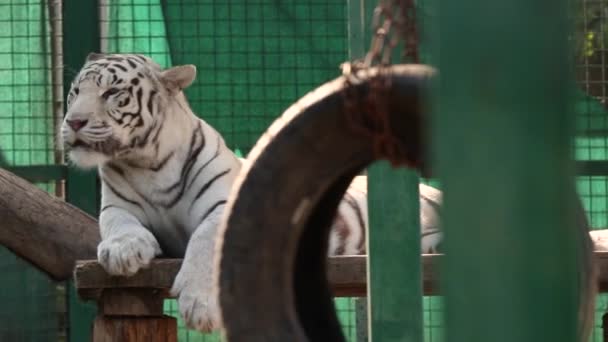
166, 174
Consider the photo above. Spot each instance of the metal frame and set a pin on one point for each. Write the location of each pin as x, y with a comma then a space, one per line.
81, 36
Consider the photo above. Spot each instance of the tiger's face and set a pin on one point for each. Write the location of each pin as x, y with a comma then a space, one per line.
113, 106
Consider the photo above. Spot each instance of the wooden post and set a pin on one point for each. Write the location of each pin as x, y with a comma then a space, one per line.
133, 315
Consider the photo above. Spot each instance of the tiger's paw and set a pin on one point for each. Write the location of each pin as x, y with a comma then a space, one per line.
126, 254
197, 302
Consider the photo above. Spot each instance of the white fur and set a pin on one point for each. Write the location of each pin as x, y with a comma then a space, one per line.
126, 245
429, 220
87, 159
131, 232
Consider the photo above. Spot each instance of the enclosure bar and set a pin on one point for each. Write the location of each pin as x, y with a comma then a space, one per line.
395, 289
357, 37
80, 37
503, 131
356, 50
592, 167
393, 239
40, 173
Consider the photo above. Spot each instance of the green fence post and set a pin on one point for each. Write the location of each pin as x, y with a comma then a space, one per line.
80, 37
503, 154
394, 272
395, 290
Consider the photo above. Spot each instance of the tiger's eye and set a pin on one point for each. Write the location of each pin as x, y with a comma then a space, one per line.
110, 92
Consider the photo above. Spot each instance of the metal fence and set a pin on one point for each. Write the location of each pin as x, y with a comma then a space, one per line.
32, 307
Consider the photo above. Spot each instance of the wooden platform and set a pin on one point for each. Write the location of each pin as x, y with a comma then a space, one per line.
347, 275
131, 308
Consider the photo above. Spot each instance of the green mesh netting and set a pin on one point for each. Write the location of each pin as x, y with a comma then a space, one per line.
32, 306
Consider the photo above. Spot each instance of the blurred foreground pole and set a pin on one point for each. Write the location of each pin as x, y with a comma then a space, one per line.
393, 240
502, 129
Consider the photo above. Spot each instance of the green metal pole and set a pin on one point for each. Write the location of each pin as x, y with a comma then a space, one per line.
395, 289
394, 272
80, 37
503, 132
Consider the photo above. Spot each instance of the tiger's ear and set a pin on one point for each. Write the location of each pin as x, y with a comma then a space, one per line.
179, 77
93, 56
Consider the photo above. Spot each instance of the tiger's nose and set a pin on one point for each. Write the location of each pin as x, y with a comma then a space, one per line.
76, 125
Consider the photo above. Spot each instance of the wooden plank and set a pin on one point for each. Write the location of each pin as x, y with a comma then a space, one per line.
346, 273
43, 229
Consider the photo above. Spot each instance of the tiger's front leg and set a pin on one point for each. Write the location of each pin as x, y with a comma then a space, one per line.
126, 246
194, 284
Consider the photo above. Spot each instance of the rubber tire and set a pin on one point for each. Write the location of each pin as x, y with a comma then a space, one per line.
272, 255
274, 250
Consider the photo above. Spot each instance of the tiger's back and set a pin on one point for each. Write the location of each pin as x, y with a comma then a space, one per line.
348, 232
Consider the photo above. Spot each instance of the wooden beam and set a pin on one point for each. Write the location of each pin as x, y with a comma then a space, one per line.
42, 229
347, 274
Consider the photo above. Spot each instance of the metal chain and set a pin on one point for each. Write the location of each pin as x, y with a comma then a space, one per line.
393, 22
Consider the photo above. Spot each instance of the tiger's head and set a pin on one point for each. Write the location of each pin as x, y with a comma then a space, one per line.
116, 104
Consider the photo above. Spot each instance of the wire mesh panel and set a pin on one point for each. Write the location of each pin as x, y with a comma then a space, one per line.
591, 95
26, 83
254, 59
32, 306
344, 306
592, 117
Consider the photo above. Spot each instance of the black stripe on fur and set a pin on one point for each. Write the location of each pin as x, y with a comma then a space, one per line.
207, 185
210, 210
